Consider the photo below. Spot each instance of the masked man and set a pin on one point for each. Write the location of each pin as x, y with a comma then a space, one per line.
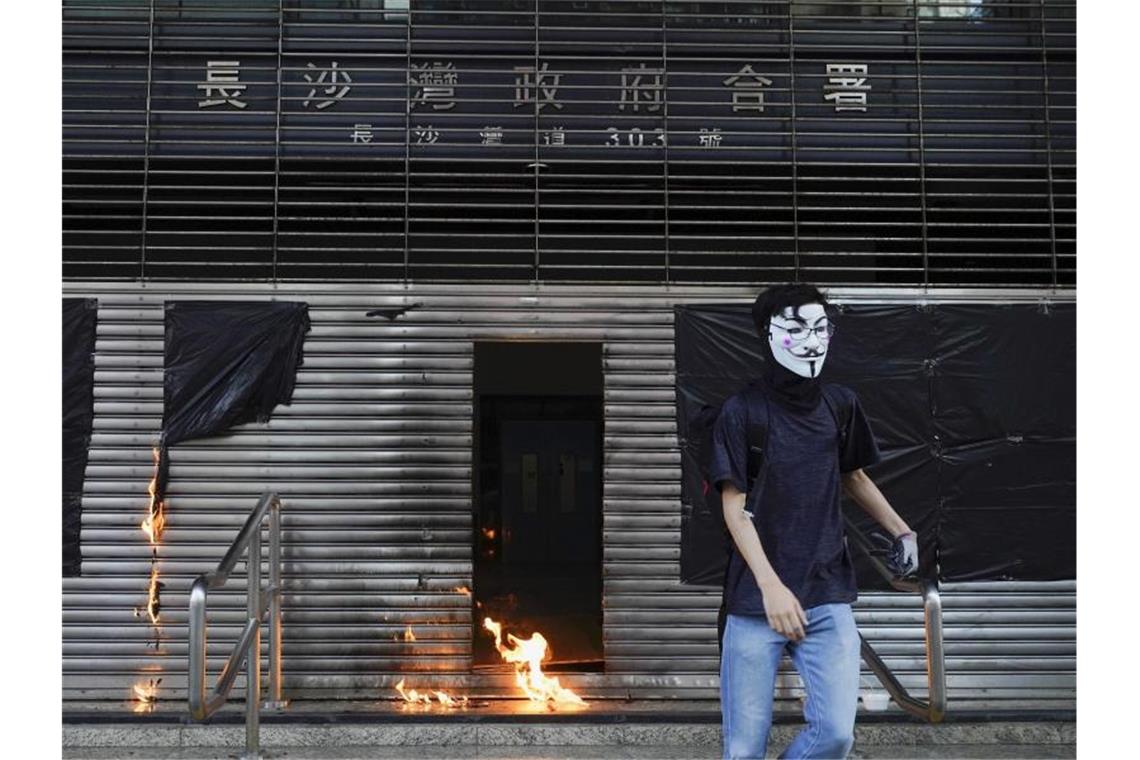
790, 580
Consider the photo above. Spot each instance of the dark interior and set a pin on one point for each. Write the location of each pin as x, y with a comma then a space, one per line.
538, 486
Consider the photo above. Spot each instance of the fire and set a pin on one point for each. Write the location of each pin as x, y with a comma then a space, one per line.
155, 520
152, 595
489, 533
152, 600
414, 697
408, 635
146, 695
447, 701
462, 590
527, 656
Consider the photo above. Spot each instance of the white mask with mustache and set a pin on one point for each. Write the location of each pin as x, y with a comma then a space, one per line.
804, 357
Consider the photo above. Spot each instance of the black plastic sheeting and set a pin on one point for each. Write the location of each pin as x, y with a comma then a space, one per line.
79, 319
227, 363
974, 409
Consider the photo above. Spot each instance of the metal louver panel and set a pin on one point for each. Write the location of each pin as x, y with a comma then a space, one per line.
897, 142
373, 460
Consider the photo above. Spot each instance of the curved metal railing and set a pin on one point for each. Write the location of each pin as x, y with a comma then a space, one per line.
259, 602
934, 709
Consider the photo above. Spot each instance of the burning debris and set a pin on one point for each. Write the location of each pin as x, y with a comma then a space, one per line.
153, 526
414, 697
153, 602
407, 635
146, 695
155, 521
527, 656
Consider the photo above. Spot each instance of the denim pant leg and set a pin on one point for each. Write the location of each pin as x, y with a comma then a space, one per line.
750, 656
827, 660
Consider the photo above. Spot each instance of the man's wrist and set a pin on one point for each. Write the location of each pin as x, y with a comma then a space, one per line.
768, 582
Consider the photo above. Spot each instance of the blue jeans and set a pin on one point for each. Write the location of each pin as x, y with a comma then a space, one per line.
827, 659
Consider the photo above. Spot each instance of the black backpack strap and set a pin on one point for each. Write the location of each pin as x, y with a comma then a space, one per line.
840, 408
757, 427
757, 434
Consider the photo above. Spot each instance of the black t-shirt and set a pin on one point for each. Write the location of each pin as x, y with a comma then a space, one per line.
798, 516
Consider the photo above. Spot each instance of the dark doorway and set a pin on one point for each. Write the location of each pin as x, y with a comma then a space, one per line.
538, 531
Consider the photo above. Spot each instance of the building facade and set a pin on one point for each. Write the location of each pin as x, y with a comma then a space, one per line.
524, 172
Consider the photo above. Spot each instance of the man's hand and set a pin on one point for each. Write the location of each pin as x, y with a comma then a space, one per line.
903, 556
785, 615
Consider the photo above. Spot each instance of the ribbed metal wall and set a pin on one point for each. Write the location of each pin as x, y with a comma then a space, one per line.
374, 459
644, 155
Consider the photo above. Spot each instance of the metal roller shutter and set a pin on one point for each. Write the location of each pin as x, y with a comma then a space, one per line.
373, 460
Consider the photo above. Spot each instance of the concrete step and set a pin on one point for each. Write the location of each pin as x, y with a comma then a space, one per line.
571, 752
518, 729
460, 738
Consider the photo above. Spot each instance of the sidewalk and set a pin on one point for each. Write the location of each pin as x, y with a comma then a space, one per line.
512, 731
553, 752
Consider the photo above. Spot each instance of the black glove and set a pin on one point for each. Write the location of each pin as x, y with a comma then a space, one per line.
902, 558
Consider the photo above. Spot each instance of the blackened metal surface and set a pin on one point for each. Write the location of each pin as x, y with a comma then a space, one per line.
79, 318
974, 407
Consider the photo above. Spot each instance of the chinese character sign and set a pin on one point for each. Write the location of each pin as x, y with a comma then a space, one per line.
847, 86
434, 85
336, 85
362, 133
540, 86
641, 86
222, 86
747, 90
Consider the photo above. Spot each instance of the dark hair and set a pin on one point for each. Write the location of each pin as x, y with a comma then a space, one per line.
779, 297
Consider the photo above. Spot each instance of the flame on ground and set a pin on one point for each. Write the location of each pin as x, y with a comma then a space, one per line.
146, 695
447, 701
408, 635
155, 521
527, 656
414, 697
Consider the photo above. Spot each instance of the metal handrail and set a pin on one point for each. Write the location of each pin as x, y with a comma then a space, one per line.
248, 649
934, 709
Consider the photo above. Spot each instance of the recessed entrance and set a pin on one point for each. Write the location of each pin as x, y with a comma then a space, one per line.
538, 486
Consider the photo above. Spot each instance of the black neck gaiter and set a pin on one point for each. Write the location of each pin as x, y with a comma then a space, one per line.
799, 394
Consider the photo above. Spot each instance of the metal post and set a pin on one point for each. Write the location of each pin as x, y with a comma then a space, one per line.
196, 665
253, 662
935, 654
275, 700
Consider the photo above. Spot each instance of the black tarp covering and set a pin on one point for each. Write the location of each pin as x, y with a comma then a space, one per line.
974, 408
227, 362
78, 411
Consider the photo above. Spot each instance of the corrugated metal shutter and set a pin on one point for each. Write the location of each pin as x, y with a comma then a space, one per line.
373, 460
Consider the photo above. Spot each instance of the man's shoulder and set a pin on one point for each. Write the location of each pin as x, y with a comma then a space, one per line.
840, 392
737, 404
740, 400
